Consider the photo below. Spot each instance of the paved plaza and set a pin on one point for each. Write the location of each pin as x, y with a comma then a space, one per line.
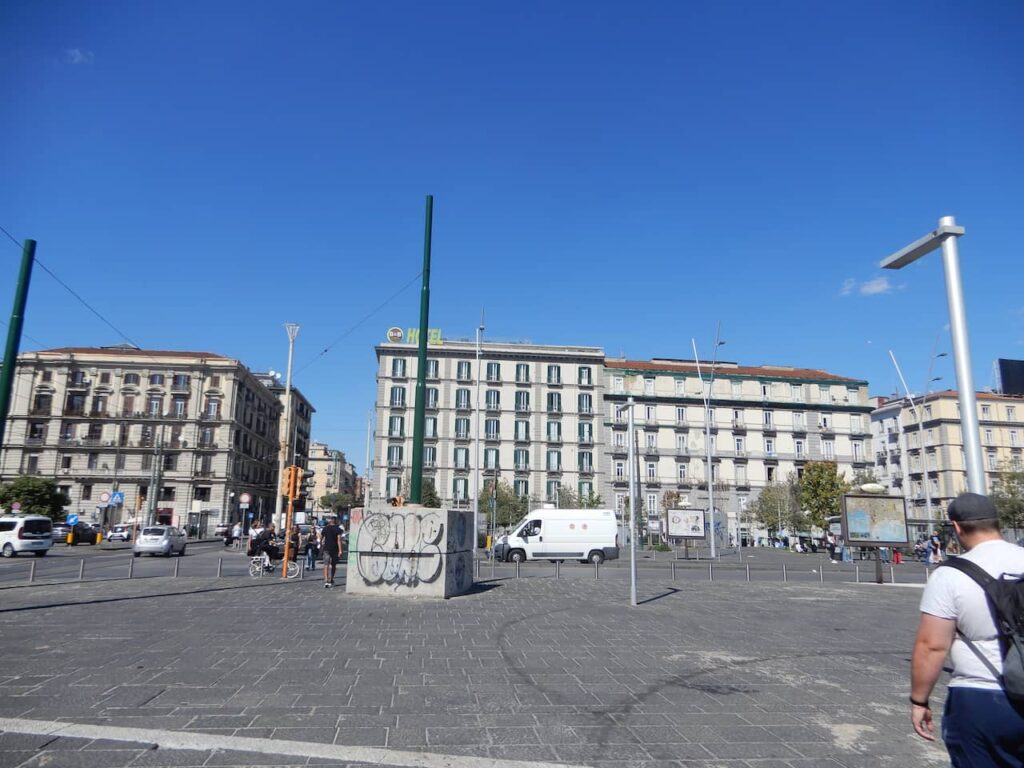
232, 671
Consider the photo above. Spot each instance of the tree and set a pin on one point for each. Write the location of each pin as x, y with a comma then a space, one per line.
568, 499
821, 491
37, 496
1008, 496
335, 502
428, 494
509, 508
779, 503
863, 477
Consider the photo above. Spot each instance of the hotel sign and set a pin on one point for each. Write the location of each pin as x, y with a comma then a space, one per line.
412, 336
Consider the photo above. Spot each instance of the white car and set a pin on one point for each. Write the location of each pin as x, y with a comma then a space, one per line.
120, 532
25, 533
163, 540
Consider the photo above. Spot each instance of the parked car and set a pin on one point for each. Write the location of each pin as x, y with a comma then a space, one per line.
60, 532
222, 530
28, 533
120, 532
159, 540
83, 533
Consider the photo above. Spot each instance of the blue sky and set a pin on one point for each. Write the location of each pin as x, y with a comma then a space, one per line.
624, 175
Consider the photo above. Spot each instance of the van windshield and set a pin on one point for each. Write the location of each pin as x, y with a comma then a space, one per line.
38, 526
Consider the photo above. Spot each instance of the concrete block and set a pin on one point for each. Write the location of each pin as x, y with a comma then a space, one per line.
411, 551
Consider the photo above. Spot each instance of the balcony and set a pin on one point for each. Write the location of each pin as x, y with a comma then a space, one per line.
587, 469
203, 446
586, 411
431, 405
74, 412
181, 387
216, 416
585, 383
429, 464
557, 469
462, 405
554, 381
462, 435
740, 453
619, 450
205, 473
769, 429
35, 440
522, 407
586, 440
682, 425
800, 428
522, 466
650, 450
394, 463
738, 425
555, 439
39, 411
554, 410
521, 438
493, 407
492, 436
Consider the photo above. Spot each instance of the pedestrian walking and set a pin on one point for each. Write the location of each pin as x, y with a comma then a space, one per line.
330, 541
982, 725
935, 548
311, 548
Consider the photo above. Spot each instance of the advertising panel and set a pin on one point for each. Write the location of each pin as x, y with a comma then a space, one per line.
875, 521
686, 523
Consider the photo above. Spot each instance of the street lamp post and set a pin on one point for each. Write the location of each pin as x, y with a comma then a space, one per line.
293, 330
630, 404
476, 449
945, 236
706, 395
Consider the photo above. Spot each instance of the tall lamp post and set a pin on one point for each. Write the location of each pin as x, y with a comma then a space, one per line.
706, 395
630, 404
945, 236
476, 449
293, 330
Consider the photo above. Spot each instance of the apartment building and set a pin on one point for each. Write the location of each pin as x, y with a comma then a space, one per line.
919, 453
538, 419
197, 428
334, 473
301, 420
765, 422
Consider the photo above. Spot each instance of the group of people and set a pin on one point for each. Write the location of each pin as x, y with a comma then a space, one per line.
326, 542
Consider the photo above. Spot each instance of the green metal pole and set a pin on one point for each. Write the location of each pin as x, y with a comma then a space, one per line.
420, 416
28, 255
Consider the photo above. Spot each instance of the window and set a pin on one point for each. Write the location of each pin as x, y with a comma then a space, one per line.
398, 368
521, 459
766, 390
585, 402
681, 443
825, 421
462, 427
32, 463
855, 423
1011, 413
554, 374
215, 382
1013, 437
493, 399
769, 446
586, 489
491, 430
798, 421
554, 402
584, 376
682, 472
648, 386
620, 469
619, 438
823, 393
462, 458
460, 487
155, 405
620, 504
430, 426
586, 433
521, 488
65, 462
86, 492
853, 396
993, 464
490, 458
92, 461
462, 399
201, 494
431, 397
650, 413
988, 437
398, 397
396, 426
741, 474
796, 393
552, 487
799, 447
179, 407
586, 461
986, 412
463, 371
170, 462
522, 401
433, 369
652, 506
494, 371
555, 431
395, 455
680, 414
737, 388
858, 451
652, 470
213, 407
181, 381
651, 439
156, 380
522, 430
770, 474
618, 384
554, 463
828, 449
522, 373
739, 446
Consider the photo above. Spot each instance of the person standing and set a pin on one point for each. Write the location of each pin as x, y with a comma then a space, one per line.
982, 726
935, 548
330, 542
236, 534
311, 548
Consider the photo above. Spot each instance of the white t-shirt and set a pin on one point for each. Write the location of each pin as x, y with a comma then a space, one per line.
951, 594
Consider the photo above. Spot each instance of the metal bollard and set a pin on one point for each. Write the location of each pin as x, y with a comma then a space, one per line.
558, 569
492, 566
220, 566
597, 570
785, 576
711, 570
821, 574
31, 571
892, 575
177, 562
673, 570
81, 570
748, 571
476, 560
517, 569
131, 566
856, 573
302, 571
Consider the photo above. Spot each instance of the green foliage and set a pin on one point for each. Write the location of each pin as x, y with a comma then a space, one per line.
640, 519
37, 495
428, 494
336, 502
863, 477
569, 499
659, 547
509, 508
821, 491
1008, 496
780, 502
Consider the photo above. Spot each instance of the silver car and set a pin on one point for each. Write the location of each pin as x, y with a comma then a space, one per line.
160, 540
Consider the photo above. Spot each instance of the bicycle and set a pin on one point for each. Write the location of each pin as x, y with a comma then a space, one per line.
261, 565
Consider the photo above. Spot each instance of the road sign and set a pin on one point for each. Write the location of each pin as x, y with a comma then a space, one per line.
245, 498
117, 498
72, 518
105, 497
249, 515
243, 506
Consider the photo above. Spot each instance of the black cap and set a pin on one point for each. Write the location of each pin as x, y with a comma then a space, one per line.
972, 506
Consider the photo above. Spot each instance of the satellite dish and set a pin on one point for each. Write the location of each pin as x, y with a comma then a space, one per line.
273, 373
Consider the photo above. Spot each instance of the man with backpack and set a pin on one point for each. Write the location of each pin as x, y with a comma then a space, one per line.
973, 608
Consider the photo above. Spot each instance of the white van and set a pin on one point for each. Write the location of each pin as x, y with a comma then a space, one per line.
587, 535
25, 533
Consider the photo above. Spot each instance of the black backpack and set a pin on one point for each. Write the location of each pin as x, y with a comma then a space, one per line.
1006, 603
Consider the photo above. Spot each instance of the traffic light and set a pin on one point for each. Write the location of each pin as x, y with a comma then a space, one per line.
288, 482
397, 501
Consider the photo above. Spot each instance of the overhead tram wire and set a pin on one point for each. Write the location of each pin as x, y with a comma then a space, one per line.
366, 317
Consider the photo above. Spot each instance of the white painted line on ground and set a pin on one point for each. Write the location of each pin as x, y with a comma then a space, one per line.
190, 740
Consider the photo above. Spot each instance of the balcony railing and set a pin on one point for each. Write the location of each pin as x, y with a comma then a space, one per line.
462, 435
39, 411
587, 469
522, 466
74, 412
586, 440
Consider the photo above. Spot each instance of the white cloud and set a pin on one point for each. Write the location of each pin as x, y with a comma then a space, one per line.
78, 56
876, 286
848, 285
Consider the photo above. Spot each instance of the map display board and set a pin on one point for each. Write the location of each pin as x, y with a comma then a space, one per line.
686, 523
875, 521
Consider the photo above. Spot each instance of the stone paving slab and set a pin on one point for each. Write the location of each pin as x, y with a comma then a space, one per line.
541, 670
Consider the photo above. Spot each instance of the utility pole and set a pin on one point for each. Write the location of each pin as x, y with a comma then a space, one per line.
28, 254
293, 330
419, 418
367, 479
708, 425
476, 460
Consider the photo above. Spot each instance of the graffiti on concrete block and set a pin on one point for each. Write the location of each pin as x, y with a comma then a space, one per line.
400, 549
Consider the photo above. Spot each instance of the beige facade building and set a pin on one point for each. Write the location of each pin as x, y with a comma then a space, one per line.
301, 421
181, 435
537, 418
766, 422
925, 461
334, 473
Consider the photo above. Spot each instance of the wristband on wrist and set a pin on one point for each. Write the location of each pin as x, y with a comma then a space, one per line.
920, 703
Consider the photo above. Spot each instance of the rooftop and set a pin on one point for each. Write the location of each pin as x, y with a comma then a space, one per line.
728, 369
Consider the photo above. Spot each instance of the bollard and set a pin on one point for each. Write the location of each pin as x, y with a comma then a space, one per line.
673, 570
558, 569
177, 562
597, 570
220, 567
492, 566
785, 576
821, 574
81, 570
31, 571
711, 570
477, 563
856, 573
302, 571
131, 566
748, 571
892, 575
517, 569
